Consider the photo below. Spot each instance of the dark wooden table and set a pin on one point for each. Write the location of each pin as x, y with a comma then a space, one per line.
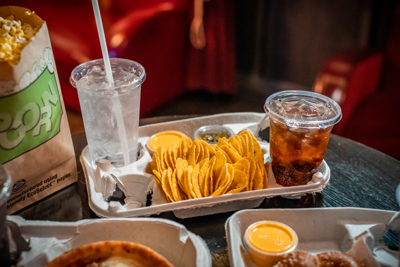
360, 177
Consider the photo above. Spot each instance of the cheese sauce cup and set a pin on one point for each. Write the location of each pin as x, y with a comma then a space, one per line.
268, 241
163, 139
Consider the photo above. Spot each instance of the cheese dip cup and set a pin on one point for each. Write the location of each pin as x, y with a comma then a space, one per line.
164, 140
268, 241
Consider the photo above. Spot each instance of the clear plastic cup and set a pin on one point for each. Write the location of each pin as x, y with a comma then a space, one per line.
300, 126
5, 188
110, 114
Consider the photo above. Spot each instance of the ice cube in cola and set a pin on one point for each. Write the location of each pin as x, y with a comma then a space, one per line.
300, 127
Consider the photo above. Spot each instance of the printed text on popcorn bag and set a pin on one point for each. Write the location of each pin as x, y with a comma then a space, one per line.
29, 117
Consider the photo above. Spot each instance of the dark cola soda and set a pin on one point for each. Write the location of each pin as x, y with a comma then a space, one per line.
296, 154
300, 126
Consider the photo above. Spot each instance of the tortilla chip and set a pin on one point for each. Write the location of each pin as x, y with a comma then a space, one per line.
258, 182
256, 145
236, 142
247, 150
181, 166
157, 179
163, 159
166, 186
239, 182
219, 166
196, 193
201, 151
252, 172
223, 180
156, 162
230, 171
153, 164
244, 166
204, 166
223, 142
209, 151
194, 153
232, 153
226, 156
260, 163
177, 193
188, 182
209, 179
185, 145
170, 156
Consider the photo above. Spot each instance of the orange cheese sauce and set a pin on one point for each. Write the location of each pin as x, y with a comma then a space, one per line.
165, 139
271, 237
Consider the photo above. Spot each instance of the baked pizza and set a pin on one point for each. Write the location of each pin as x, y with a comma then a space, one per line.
110, 253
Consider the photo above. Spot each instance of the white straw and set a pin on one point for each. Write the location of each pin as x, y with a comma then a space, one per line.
103, 43
116, 104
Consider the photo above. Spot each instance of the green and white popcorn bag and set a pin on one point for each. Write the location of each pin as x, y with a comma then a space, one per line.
35, 140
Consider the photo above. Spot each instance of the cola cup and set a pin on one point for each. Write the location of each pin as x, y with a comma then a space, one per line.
300, 126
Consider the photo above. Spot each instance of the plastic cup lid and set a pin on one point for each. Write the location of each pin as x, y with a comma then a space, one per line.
317, 100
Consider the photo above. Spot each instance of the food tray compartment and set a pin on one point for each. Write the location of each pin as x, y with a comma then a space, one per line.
207, 205
319, 230
50, 239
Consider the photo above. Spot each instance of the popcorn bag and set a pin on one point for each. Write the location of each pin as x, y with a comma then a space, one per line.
35, 140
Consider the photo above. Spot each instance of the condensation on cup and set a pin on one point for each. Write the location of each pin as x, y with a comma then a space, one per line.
110, 114
5, 188
300, 126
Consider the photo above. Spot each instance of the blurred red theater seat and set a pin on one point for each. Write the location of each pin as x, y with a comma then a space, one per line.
366, 83
154, 33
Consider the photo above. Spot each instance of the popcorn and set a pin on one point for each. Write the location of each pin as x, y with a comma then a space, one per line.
13, 38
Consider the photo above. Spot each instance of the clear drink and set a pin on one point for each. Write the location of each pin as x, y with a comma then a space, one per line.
110, 115
300, 127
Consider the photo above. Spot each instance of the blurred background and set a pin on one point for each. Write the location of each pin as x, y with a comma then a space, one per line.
216, 56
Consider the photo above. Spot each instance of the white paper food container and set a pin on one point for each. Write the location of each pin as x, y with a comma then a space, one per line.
50, 239
207, 205
319, 230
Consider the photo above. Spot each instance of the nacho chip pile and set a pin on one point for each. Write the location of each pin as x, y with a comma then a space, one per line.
195, 169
